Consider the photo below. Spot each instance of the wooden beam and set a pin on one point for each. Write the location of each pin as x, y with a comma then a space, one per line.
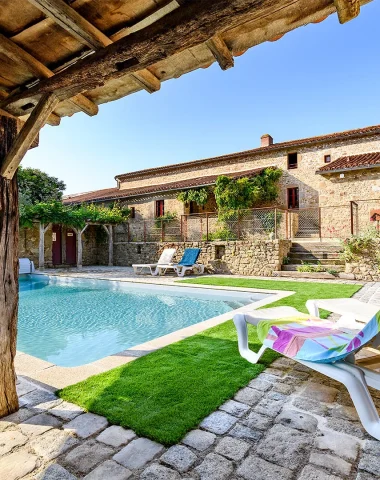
347, 9
147, 80
27, 134
220, 51
73, 22
85, 32
39, 70
53, 120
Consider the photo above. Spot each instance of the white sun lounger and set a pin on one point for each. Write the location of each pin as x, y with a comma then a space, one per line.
355, 377
165, 258
25, 266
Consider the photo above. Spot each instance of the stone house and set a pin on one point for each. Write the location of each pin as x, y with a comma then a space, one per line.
322, 177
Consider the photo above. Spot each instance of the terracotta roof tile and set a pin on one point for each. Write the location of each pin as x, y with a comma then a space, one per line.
331, 137
115, 193
352, 162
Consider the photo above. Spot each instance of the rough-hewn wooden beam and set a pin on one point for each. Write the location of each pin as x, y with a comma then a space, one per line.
38, 69
72, 21
220, 51
85, 32
347, 9
27, 134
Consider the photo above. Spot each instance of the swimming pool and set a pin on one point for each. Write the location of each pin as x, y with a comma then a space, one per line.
71, 322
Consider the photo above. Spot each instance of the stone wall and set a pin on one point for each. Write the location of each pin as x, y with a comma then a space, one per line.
29, 244
260, 257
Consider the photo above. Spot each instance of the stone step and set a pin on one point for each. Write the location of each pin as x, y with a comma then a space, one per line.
315, 261
306, 256
329, 266
316, 276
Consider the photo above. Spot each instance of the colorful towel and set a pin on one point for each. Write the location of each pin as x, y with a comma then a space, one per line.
315, 340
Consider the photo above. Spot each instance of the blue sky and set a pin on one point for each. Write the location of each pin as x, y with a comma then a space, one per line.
317, 79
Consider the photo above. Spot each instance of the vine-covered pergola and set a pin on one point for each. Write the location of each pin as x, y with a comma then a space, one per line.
77, 217
62, 57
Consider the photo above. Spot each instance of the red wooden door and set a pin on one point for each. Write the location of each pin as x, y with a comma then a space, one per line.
57, 244
71, 247
293, 198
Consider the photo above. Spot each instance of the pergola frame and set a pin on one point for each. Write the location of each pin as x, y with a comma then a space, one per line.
43, 228
172, 28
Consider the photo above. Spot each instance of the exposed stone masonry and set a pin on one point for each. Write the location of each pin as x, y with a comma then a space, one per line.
260, 257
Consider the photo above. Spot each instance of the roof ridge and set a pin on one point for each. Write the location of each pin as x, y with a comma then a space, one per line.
275, 146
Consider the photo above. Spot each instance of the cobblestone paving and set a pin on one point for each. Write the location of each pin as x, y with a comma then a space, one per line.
288, 423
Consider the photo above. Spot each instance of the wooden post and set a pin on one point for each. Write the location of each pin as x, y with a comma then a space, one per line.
162, 231
41, 246
206, 227
79, 246
9, 218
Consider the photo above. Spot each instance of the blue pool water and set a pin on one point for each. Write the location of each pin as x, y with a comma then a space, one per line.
73, 322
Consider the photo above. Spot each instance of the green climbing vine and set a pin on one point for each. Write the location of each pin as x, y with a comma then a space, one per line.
72, 215
197, 195
234, 195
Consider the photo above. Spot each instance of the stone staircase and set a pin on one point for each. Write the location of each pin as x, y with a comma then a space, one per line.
313, 253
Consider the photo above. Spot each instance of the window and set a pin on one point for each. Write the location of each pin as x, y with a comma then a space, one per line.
159, 208
292, 160
327, 158
293, 198
133, 212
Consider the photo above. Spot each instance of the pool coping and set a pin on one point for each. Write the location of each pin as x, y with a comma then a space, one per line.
53, 377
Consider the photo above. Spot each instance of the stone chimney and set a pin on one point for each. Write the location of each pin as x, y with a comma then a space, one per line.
266, 140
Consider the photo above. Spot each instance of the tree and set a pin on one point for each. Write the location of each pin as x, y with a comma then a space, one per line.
36, 186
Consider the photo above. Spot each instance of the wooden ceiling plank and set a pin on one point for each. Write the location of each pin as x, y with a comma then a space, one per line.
73, 22
39, 70
192, 24
347, 9
220, 51
145, 22
27, 134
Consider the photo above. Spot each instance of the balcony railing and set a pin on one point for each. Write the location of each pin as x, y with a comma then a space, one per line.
332, 222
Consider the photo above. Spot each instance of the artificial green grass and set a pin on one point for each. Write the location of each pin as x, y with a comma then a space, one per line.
168, 392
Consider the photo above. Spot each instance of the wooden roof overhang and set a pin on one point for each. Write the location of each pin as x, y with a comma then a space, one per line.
60, 57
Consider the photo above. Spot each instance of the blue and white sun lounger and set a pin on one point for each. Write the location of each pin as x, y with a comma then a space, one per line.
188, 262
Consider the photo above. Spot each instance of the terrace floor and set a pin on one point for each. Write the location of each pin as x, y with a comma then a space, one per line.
288, 423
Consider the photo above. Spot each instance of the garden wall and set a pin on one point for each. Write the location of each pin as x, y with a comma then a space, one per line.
366, 268
259, 257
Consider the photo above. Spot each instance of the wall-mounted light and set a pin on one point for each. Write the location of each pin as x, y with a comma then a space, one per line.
341, 175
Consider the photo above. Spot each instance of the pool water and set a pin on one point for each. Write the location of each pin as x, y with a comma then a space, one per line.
71, 322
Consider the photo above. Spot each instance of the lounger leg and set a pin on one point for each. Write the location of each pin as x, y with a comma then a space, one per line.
354, 380
312, 308
242, 331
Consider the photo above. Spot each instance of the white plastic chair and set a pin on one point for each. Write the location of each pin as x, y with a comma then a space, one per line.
354, 377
